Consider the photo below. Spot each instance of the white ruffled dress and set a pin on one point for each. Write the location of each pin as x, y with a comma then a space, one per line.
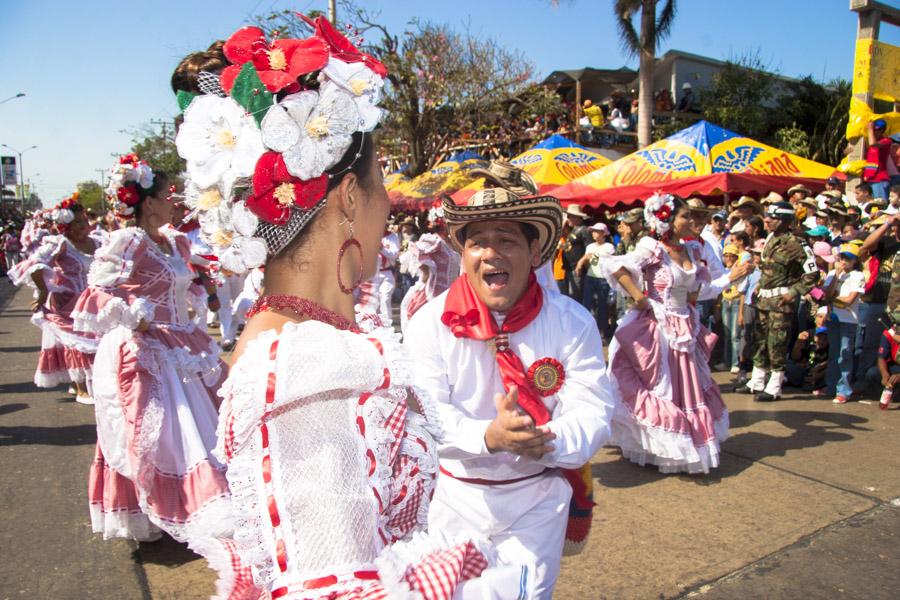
670, 412
155, 395
331, 475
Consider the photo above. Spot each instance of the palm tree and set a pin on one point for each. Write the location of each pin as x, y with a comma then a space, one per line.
653, 30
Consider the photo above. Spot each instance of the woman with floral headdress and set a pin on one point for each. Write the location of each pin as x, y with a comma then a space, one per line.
155, 375
57, 270
670, 412
330, 451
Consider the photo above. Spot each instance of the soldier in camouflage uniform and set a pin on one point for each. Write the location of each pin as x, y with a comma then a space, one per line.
787, 272
634, 220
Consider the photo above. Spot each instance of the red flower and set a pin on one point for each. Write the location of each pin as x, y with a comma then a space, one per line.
278, 64
275, 190
129, 159
340, 47
127, 194
663, 212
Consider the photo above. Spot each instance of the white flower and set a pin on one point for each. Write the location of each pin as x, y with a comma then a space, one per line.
63, 215
218, 140
312, 130
363, 84
653, 204
243, 254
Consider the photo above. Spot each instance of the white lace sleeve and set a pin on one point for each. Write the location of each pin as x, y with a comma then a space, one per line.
114, 261
647, 251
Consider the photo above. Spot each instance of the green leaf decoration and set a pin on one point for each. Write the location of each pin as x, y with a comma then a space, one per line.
184, 99
251, 93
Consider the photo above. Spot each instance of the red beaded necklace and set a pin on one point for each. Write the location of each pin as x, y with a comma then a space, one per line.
302, 308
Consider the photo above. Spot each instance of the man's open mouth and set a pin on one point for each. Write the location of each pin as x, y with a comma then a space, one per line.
495, 280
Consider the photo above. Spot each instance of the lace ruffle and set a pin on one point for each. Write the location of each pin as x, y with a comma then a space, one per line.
114, 261
115, 312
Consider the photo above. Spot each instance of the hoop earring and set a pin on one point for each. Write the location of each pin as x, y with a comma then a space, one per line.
348, 243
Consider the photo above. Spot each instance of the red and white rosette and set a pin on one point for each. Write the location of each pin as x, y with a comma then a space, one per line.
546, 375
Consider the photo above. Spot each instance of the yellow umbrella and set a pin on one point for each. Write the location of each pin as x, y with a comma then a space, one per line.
445, 178
554, 162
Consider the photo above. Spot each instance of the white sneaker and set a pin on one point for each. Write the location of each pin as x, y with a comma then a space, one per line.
735, 370
84, 399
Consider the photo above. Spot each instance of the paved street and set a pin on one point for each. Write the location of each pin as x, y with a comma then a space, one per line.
805, 506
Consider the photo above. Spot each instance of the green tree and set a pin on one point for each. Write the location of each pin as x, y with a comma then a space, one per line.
441, 82
793, 140
653, 30
743, 98
158, 149
90, 195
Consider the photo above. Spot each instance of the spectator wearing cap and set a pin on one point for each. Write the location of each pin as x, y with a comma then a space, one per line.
747, 312
878, 154
843, 288
688, 101
632, 232
731, 303
576, 244
879, 249
596, 297
714, 233
808, 362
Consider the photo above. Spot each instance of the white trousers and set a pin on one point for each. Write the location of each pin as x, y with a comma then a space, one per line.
228, 293
525, 521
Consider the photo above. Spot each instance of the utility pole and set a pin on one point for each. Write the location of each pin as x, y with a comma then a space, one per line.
102, 188
332, 12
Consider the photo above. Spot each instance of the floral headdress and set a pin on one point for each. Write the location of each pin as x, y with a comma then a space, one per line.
128, 173
658, 211
259, 153
62, 214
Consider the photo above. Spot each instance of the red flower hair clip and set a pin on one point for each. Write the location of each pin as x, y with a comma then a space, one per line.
130, 159
275, 190
128, 195
663, 212
279, 65
340, 47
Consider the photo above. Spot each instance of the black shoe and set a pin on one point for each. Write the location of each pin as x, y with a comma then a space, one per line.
744, 388
765, 397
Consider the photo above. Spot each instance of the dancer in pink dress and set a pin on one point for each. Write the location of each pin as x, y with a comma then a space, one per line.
436, 265
331, 453
670, 413
155, 376
57, 270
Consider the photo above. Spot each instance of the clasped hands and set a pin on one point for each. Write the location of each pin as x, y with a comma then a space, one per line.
514, 432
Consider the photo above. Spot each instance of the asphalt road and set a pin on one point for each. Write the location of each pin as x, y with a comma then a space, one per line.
805, 505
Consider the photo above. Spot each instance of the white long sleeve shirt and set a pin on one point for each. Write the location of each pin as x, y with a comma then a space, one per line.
718, 274
463, 376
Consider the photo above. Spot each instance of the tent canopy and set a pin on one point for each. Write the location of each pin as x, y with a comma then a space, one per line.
596, 84
703, 159
444, 178
552, 163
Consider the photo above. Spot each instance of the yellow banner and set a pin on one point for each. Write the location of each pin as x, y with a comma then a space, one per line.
876, 70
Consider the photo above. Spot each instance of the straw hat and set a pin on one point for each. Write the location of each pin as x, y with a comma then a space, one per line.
748, 201
499, 204
633, 216
772, 198
697, 205
575, 211
508, 176
799, 188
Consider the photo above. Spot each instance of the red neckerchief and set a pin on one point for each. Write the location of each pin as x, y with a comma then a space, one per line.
468, 317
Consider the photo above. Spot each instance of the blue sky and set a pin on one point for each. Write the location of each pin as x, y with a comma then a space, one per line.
94, 70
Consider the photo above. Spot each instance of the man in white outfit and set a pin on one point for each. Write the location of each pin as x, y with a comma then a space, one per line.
374, 296
521, 384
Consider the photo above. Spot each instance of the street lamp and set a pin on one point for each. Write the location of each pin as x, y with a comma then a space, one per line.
19, 95
21, 170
